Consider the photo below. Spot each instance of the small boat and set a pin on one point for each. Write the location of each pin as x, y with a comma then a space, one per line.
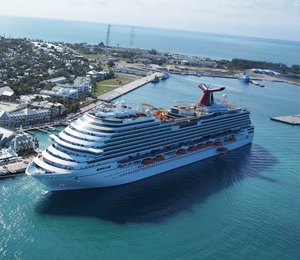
155, 80
244, 78
217, 143
159, 158
147, 161
192, 149
232, 139
181, 151
165, 75
201, 146
222, 149
209, 143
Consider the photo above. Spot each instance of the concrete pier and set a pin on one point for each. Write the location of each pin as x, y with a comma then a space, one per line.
292, 120
13, 168
129, 87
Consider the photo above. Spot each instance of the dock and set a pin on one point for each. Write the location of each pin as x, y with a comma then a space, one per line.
292, 120
118, 92
15, 168
256, 83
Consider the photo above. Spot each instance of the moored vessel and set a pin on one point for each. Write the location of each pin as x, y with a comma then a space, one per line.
116, 144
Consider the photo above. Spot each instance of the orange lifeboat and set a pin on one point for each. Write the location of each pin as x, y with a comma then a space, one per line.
181, 151
192, 149
159, 158
217, 143
201, 146
147, 161
232, 139
222, 149
209, 143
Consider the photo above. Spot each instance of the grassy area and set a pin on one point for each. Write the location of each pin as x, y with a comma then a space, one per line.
111, 84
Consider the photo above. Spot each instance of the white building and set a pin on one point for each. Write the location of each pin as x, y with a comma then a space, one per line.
81, 84
56, 108
128, 71
24, 117
12, 142
62, 92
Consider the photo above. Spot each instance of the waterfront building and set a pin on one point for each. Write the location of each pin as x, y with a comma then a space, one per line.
154, 57
56, 108
24, 117
11, 142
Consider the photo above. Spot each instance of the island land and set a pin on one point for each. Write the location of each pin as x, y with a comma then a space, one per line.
65, 80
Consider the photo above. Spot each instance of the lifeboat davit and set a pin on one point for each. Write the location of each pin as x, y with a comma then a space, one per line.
159, 158
201, 146
217, 143
209, 143
192, 149
222, 149
232, 139
147, 161
181, 151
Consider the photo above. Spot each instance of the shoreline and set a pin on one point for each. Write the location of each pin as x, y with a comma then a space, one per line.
17, 168
118, 92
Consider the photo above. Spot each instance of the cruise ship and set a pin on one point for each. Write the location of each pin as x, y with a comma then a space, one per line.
116, 144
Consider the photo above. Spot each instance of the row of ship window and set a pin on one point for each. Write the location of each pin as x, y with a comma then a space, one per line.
167, 143
77, 137
119, 154
103, 168
128, 137
168, 137
87, 133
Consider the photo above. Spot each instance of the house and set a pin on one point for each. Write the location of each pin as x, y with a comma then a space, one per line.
97, 75
7, 93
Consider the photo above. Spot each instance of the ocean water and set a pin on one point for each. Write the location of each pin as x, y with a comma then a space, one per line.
205, 45
241, 205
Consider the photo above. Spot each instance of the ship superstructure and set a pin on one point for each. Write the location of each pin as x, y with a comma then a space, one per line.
116, 144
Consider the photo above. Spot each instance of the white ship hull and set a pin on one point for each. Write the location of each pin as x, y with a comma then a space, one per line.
116, 175
116, 144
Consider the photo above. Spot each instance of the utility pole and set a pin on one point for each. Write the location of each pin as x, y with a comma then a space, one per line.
107, 36
132, 37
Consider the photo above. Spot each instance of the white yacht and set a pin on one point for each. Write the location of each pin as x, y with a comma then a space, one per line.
116, 144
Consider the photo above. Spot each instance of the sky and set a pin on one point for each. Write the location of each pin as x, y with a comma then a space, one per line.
275, 19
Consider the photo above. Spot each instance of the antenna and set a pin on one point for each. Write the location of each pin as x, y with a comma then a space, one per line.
107, 36
132, 37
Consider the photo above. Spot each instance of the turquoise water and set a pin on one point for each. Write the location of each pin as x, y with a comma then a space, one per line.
213, 46
241, 205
